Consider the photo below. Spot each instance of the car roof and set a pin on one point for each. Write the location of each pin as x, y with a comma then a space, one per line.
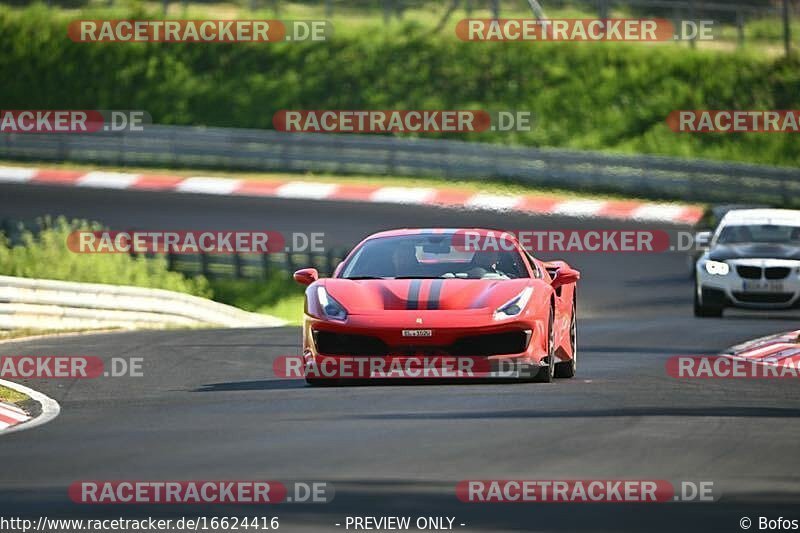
785, 217
439, 231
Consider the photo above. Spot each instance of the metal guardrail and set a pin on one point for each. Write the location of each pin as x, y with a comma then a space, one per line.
50, 304
267, 150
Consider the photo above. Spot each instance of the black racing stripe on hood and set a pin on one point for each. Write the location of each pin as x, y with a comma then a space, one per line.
413, 294
436, 290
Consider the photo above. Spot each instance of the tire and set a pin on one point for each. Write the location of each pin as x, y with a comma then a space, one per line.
704, 311
547, 373
569, 368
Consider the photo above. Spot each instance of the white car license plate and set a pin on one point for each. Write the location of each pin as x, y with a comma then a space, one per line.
417, 333
762, 286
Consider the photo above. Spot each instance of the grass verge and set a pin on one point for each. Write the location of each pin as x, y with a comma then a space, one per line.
11, 396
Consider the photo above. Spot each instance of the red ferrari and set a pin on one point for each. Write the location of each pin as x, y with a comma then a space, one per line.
424, 294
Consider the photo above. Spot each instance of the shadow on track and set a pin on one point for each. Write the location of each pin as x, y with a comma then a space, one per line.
721, 412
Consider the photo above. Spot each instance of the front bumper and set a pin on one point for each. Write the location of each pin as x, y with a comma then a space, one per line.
750, 292
374, 345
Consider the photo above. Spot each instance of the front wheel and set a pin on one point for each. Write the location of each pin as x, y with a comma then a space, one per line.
702, 310
568, 369
547, 373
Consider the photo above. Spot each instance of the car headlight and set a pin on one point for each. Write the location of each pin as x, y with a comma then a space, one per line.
717, 268
330, 306
514, 306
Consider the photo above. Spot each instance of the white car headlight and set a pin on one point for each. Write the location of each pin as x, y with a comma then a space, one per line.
330, 306
717, 268
515, 305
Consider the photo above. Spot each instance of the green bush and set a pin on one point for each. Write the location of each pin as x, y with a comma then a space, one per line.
46, 256
608, 96
278, 295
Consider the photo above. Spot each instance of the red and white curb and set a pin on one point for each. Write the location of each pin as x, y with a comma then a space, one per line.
11, 415
446, 197
12, 418
782, 349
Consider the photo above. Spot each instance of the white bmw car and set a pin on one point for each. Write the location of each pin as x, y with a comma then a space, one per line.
752, 261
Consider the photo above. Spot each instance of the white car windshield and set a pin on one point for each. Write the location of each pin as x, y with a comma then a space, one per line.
760, 233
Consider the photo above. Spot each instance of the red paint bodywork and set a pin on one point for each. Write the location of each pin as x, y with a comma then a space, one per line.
465, 307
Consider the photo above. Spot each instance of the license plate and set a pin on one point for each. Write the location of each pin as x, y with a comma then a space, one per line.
417, 333
762, 286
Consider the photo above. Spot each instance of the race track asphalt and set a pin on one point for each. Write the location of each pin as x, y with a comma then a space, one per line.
209, 407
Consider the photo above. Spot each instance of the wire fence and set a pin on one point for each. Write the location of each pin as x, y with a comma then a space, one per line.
757, 20
253, 266
211, 266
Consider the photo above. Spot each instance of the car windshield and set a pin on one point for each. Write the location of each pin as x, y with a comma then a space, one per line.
430, 256
760, 233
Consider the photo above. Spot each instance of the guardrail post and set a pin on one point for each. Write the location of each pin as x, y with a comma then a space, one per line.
496, 9
265, 266
787, 28
676, 17
204, 263
740, 24
387, 11
602, 11
238, 270
330, 259
787, 197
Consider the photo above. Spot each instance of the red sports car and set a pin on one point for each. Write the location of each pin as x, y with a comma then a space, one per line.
440, 295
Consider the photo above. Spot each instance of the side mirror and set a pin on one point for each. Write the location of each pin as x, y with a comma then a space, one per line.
565, 276
702, 239
306, 276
